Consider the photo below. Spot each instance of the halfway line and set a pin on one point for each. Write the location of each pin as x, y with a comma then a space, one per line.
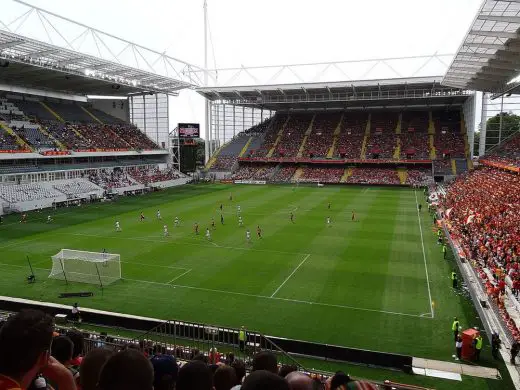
289, 277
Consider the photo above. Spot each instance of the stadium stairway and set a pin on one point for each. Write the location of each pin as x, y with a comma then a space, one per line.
95, 118
336, 134
304, 141
278, 138
365, 138
256, 142
19, 140
431, 123
54, 113
297, 174
397, 149
403, 175
399, 122
346, 175
433, 151
246, 146
49, 135
453, 166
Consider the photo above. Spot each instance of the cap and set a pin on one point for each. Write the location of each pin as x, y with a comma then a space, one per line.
40, 383
164, 365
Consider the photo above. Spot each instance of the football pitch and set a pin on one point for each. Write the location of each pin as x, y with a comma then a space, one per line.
377, 283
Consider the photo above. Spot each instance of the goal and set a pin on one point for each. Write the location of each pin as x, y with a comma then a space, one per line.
86, 267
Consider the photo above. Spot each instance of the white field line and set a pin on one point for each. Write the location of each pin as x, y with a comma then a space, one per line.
19, 242
169, 284
184, 242
179, 276
277, 298
153, 265
424, 252
289, 277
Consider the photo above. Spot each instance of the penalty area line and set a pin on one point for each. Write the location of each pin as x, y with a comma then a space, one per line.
289, 277
279, 299
179, 276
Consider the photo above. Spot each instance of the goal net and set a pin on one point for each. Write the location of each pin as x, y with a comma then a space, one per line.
86, 267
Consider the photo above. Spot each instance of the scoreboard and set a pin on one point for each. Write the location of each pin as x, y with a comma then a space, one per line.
189, 130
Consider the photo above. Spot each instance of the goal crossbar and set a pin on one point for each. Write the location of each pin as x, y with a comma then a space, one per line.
72, 265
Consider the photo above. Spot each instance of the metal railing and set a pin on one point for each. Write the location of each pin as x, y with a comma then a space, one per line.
190, 338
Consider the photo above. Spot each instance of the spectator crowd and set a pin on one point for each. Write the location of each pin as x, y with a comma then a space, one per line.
34, 356
482, 210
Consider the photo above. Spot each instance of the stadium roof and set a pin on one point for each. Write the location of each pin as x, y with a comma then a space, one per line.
43, 50
31, 63
489, 57
384, 93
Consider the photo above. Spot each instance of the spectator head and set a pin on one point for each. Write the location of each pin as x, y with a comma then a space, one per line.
240, 370
224, 378
25, 343
299, 381
61, 349
165, 372
286, 369
91, 366
265, 360
194, 375
77, 339
126, 370
264, 380
338, 380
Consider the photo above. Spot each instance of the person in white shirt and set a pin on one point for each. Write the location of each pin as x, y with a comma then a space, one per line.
328, 222
208, 234
240, 222
49, 219
248, 236
176, 221
159, 215
165, 228
118, 226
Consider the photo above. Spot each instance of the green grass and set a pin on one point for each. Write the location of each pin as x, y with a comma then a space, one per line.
364, 284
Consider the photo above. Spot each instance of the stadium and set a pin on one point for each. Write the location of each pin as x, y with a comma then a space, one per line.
323, 225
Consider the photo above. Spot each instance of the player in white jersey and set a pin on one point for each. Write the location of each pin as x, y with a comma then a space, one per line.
328, 222
248, 236
208, 234
159, 215
240, 222
118, 226
165, 228
238, 209
176, 221
49, 219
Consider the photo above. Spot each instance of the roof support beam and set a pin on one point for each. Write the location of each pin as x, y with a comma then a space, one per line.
498, 18
494, 34
491, 46
9, 44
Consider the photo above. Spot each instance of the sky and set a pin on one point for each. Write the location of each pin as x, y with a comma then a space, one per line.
270, 32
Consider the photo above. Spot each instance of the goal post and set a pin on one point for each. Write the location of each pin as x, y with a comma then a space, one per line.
86, 267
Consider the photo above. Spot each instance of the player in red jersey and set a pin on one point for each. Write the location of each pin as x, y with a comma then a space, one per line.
196, 228
24, 218
353, 216
259, 231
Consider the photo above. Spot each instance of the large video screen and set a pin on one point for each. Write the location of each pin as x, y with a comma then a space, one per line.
189, 130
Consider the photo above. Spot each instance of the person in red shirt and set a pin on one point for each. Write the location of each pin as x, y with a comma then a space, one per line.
25, 342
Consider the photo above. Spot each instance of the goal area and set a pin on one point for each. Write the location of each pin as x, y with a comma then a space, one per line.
86, 267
